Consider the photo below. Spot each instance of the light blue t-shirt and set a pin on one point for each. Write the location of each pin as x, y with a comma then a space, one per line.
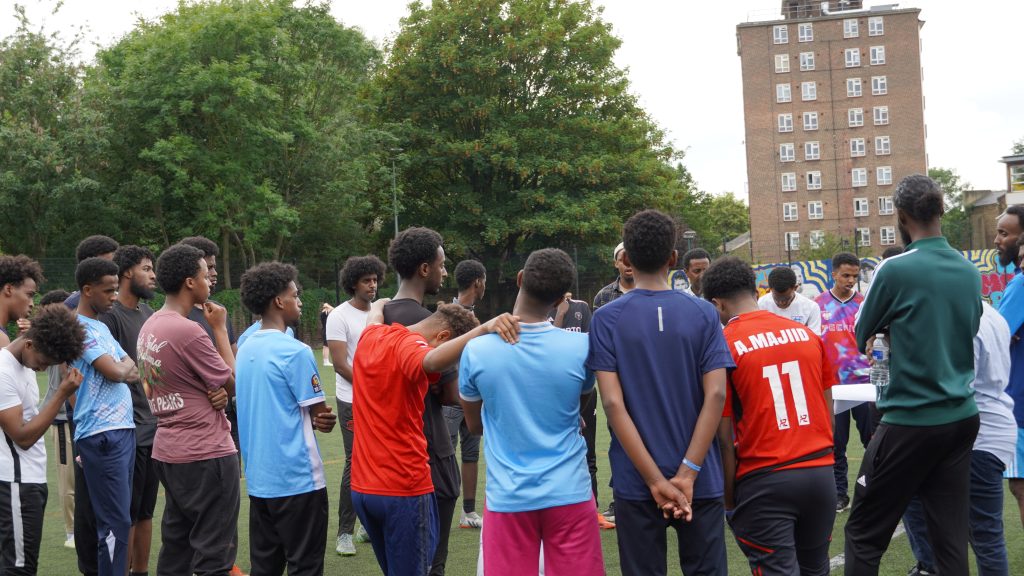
276, 381
536, 457
258, 325
101, 405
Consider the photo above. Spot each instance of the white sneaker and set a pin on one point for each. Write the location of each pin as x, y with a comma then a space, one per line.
361, 536
471, 520
345, 546
70, 541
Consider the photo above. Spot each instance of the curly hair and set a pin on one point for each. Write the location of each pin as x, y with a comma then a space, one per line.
897, 250
128, 256
458, 319
695, 254
411, 248
93, 246
358, 266
92, 270
467, 272
264, 282
920, 198
15, 269
205, 245
56, 333
177, 264
54, 297
843, 259
781, 279
650, 237
547, 275
729, 277
1018, 211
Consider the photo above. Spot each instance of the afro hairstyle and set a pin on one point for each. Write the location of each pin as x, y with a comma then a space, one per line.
782, 279
54, 297
547, 275
650, 237
205, 245
264, 282
358, 266
467, 272
412, 248
56, 333
92, 270
176, 265
458, 319
729, 277
15, 269
93, 246
844, 259
129, 256
695, 254
920, 198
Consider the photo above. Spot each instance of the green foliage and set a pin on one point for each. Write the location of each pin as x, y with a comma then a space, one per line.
829, 247
1018, 147
715, 218
956, 223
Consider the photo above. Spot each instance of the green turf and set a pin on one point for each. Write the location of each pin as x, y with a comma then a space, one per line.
56, 560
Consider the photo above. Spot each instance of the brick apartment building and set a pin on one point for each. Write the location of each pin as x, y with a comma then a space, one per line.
834, 119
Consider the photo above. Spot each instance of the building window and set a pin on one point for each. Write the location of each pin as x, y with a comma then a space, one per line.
883, 175
887, 235
781, 63
1016, 178
876, 27
817, 238
863, 236
881, 114
805, 32
781, 34
792, 241
857, 147
783, 93
854, 88
883, 146
785, 122
806, 61
810, 120
885, 206
789, 211
851, 28
815, 210
814, 180
877, 55
879, 86
859, 178
852, 57
808, 91
787, 153
855, 117
860, 207
789, 181
812, 151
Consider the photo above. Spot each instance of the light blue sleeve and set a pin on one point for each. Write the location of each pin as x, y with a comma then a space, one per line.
304, 378
468, 389
1011, 307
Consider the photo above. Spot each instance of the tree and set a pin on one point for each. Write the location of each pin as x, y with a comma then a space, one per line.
519, 129
956, 225
1018, 148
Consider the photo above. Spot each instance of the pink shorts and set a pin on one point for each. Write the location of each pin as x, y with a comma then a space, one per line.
572, 541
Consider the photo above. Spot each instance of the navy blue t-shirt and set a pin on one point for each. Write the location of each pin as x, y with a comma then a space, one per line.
661, 343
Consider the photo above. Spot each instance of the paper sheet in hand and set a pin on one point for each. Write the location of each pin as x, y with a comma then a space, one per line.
846, 396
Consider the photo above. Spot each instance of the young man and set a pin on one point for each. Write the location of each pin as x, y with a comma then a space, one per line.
392, 489
20, 277
530, 393
993, 451
359, 279
54, 337
418, 257
136, 283
695, 262
1009, 230
195, 458
97, 246
661, 359
839, 307
623, 283
278, 383
471, 278
929, 416
104, 426
776, 431
784, 299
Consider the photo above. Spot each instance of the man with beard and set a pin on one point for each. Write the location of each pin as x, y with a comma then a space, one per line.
1011, 307
929, 415
20, 277
695, 262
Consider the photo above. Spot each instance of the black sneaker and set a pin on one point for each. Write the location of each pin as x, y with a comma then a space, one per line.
609, 514
919, 570
842, 503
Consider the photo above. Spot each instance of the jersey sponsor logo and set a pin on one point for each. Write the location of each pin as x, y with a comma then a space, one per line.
770, 339
315, 382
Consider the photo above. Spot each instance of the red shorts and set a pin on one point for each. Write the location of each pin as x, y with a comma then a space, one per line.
572, 541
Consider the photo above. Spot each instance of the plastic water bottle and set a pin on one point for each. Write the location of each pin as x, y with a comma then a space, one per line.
880, 367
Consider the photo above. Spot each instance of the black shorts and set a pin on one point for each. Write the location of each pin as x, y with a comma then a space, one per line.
145, 485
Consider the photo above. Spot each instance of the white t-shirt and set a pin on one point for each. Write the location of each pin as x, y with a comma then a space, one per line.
345, 324
18, 386
802, 310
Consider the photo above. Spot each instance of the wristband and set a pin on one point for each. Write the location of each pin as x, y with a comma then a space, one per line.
689, 464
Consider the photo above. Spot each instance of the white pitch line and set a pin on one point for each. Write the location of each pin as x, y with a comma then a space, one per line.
839, 560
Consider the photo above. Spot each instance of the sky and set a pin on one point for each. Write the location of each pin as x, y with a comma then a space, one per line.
684, 69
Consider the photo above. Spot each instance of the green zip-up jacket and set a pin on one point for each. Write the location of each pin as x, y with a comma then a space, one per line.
928, 299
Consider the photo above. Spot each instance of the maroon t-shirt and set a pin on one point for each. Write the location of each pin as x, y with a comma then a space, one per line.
178, 362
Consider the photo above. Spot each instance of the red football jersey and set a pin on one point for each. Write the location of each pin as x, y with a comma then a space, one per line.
776, 394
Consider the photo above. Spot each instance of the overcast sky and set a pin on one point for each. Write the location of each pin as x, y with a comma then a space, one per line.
682, 62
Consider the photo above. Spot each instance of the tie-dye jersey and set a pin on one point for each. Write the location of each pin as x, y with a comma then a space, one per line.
837, 330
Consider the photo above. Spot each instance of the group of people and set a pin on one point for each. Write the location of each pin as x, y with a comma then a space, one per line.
719, 404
